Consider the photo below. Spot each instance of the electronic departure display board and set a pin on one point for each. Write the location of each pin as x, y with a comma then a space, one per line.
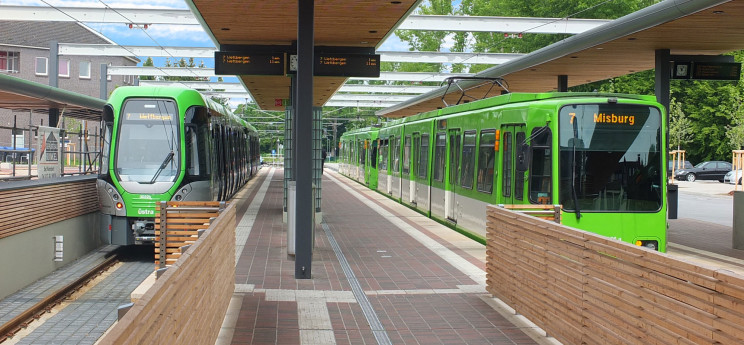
347, 65
245, 63
706, 70
716, 70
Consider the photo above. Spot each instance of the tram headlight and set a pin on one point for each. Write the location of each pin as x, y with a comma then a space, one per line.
119, 205
650, 244
178, 197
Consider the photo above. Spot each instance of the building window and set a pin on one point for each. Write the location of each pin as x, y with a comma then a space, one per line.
108, 75
84, 69
64, 68
10, 61
41, 66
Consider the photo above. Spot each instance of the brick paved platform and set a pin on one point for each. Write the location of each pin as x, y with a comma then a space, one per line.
407, 279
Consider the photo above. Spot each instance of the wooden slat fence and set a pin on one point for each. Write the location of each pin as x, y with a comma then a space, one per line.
187, 304
183, 221
33, 204
548, 212
582, 288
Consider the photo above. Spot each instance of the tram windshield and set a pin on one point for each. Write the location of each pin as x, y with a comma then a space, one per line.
147, 142
610, 158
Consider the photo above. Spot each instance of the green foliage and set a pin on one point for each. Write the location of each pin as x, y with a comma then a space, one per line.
680, 127
147, 63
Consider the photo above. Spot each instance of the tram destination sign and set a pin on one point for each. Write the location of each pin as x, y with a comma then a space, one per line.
245, 63
347, 65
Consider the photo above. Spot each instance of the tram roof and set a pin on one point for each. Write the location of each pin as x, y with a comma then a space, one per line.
20, 94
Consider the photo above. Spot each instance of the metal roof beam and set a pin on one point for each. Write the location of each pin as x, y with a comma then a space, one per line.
117, 50
500, 24
412, 89
209, 72
208, 52
360, 104
98, 15
375, 98
197, 85
447, 57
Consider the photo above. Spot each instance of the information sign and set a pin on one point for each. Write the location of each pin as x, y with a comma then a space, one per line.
347, 65
245, 63
716, 70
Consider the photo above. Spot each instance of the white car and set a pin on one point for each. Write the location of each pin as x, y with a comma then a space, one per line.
733, 177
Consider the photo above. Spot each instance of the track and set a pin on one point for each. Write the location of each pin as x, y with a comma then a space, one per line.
24, 319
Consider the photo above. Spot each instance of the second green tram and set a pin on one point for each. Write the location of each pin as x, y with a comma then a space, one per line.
600, 156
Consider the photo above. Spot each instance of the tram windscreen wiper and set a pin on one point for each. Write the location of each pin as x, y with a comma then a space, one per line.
167, 159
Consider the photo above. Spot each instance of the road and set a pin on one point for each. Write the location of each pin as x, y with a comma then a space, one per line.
706, 201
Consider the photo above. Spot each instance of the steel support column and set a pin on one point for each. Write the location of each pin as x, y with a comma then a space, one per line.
662, 90
53, 72
104, 81
304, 128
562, 83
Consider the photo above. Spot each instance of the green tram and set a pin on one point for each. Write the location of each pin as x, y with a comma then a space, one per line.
360, 153
600, 156
163, 144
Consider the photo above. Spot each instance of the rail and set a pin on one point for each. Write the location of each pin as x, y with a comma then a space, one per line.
582, 288
10, 328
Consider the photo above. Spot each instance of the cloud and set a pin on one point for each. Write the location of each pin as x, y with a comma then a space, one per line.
393, 43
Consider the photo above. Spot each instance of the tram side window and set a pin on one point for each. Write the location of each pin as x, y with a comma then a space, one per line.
383, 155
486, 158
396, 154
423, 156
373, 154
468, 160
415, 154
439, 152
540, 167
362, 153
197, 132
407, 155
519, 177
507, 167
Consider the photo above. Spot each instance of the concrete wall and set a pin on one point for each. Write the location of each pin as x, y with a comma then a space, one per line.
29, 256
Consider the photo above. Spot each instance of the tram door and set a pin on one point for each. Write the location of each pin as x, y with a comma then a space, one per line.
454, 138
513, 170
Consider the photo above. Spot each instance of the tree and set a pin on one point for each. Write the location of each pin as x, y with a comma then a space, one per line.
147, 63
680, 127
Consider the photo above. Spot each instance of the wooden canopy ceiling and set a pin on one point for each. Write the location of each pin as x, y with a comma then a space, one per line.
351, 23
713, 31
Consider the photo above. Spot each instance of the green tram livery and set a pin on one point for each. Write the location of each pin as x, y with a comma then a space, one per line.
600, 156
163, 144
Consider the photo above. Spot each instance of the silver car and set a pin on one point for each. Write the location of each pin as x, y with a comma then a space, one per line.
732, 177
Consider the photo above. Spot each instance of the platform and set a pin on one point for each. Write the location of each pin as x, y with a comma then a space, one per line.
374, 263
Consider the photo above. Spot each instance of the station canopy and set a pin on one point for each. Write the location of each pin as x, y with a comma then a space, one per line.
626, 45
346, 23
20, 94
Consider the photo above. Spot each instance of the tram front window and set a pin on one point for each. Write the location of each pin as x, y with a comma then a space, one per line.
610, 158
147, 142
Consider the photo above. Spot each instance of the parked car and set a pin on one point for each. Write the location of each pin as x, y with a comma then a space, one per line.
685, 165
733, 177
710, 170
